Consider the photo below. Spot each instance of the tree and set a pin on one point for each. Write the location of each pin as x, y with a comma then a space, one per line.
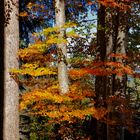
11, 34
110, 40
62, 50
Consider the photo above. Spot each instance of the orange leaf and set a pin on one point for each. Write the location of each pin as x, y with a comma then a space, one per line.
23, 14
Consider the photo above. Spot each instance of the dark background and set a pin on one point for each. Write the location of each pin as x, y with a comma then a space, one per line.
1, 66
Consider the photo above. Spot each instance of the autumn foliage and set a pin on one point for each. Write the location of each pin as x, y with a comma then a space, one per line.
46, 100
38, 74
43, 97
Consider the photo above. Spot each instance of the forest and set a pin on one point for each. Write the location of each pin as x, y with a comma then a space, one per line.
70, 70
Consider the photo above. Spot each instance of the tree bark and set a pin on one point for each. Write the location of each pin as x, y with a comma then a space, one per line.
60, 19
100, 81
11, 115
121, 48
111, 38
118, 83
62, 49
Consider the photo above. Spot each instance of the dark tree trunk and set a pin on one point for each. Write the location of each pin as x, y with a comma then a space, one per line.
100, 81
111, 38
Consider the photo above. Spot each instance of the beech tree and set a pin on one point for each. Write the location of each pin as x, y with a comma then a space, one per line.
62, 49
11, 36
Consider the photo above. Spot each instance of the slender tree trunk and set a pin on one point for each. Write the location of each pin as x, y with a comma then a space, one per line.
100, 81
121, 49
11, 115
100, 86
62, 52
62, 49
118, 83
109, 50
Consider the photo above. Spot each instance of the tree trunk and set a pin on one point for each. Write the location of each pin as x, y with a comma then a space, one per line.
62, 52
11, 115
100, 81
118, 83
100, 85
121, 49
110, 40
62, 49
109, 50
